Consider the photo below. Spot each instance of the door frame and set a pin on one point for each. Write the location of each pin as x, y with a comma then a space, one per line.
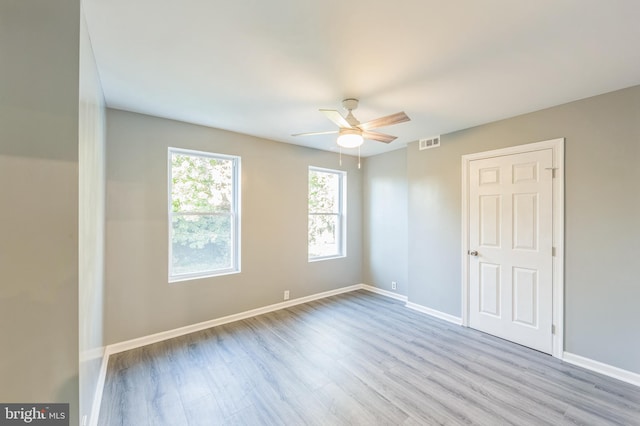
557, 147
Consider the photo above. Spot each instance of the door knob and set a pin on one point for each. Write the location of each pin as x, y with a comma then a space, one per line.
472, 253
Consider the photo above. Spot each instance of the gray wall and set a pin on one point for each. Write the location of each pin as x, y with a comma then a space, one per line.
91, 222
385, 221
602, 208
139, 300
39, 192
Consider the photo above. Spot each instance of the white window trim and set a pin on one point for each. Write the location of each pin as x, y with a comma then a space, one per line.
235, 216
342, 214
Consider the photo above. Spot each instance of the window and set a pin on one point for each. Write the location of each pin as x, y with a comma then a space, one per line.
327, 225
204, 225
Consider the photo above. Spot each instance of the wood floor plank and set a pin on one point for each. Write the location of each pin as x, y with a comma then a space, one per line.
354, 359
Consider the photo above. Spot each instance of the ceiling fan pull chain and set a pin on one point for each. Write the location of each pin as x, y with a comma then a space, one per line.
341, 156
358, 157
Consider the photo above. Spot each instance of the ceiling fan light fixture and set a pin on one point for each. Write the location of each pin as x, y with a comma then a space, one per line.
350, 138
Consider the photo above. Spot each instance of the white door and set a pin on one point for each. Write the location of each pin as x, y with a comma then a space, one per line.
510, 247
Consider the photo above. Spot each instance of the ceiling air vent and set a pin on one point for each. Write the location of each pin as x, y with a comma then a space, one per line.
432, 142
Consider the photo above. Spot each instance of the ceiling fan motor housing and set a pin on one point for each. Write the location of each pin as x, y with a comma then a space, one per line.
350, 104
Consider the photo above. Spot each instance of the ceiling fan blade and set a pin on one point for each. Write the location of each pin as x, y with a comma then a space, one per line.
336, 117
380, 137
315, 133
396, 118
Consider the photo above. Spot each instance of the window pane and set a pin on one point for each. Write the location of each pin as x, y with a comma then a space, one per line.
203, 214
201, 184
200, 243
324, 192
323, 235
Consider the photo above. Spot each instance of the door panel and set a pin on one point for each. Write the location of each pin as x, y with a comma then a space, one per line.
490, 220
490, 289
510, 226
525, 296
525, 221
527, 172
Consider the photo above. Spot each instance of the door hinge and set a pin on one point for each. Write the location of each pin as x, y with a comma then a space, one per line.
553, 251
553, 329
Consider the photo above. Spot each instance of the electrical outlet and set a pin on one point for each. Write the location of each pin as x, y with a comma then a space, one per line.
286, 295
394, 285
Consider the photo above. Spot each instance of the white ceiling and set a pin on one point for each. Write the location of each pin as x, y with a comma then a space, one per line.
265, 67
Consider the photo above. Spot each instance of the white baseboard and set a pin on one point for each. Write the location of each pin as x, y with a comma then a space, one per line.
602, 368
91, 355
434, 313
181, 331
384, 292
97, 397
414, 306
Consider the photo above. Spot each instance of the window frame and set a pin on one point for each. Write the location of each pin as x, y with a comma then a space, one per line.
341, 214
234, 215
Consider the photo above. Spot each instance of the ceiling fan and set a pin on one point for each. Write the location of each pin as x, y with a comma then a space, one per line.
351, 132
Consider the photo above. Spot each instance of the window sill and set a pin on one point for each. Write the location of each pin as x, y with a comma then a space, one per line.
319, 259
191, 277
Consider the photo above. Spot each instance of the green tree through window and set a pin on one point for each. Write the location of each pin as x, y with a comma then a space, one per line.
326, 213
203, 214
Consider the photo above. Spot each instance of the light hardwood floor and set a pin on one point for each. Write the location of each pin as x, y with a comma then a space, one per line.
357, 358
